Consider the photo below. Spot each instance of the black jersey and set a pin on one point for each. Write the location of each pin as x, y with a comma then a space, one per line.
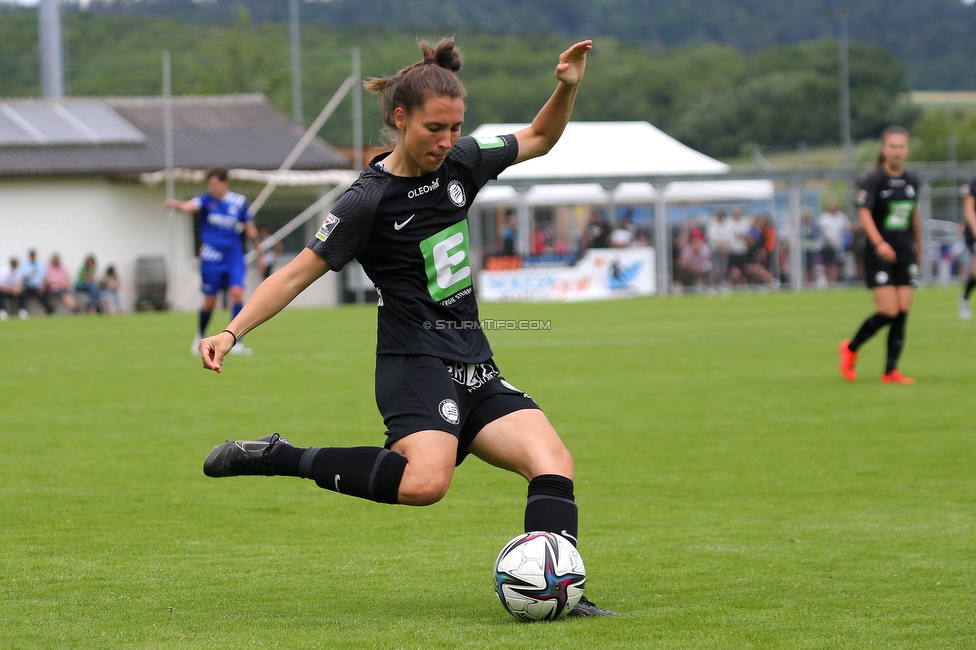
411, 236
970, 190
892, 203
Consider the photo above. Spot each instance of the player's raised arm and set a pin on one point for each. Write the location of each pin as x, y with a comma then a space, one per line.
252, 233
183, 206
549, 124
271, 296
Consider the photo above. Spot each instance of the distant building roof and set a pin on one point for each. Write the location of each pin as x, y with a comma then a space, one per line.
944, 98
124, 135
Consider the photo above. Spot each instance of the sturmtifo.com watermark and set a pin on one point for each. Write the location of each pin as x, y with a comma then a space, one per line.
488, 324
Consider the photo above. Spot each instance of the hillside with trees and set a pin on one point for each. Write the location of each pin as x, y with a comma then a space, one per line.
933, 38
712, 97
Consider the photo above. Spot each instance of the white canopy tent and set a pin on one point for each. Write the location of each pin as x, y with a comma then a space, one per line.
613, 150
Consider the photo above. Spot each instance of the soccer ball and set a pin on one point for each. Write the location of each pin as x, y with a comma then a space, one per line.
539, 576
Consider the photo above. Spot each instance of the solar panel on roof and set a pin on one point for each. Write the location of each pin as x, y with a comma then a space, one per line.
108, 125
10, 132
58, 123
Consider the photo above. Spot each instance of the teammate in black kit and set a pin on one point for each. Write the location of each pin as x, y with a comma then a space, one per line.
969, 212
888, 208
440, 393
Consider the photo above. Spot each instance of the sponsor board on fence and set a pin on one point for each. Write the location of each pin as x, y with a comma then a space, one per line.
599, 274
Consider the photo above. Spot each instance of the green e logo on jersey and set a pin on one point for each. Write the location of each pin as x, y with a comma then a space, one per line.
489, 141
448, 261
899, 215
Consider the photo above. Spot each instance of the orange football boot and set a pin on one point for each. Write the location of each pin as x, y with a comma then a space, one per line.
847, 361
895, 377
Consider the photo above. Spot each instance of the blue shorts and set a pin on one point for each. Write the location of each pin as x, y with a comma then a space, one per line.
215, 276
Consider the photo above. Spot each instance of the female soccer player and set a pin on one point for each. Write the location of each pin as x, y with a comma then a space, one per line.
223, 216
439, 391
969, 233
888, 209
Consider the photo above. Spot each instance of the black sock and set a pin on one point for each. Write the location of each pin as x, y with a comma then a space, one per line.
969, 287
370, 473
896, 340
204, 321
286, 460
551, 506
874, 322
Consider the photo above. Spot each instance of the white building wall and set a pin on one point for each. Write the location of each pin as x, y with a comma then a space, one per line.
118, 222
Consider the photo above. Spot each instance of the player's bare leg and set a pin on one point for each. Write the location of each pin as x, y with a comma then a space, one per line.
525, 442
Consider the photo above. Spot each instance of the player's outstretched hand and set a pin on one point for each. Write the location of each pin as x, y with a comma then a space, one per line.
213, 349
572, 62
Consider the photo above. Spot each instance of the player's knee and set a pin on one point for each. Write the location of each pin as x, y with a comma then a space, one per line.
423, 489
552, 459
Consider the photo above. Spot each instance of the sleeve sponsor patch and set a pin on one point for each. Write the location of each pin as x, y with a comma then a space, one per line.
489, 141
328, 226
862, 197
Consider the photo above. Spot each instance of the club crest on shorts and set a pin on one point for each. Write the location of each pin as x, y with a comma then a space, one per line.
448, 409
881, 277
456, 192
328, 226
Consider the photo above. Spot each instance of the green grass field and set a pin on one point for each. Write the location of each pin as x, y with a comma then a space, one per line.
734, 491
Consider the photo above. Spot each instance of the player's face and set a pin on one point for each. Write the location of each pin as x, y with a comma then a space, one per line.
217, 188
895, 149
429, 132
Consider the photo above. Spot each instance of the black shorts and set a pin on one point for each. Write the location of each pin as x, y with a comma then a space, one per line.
420, 393
970, 240
738, 261
879, 273
828, 255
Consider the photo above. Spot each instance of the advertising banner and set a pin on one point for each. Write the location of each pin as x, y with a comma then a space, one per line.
600, 274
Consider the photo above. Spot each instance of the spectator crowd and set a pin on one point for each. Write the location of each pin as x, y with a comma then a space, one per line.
50, 286
737, 250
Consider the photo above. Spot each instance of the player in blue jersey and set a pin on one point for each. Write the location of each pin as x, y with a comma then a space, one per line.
224, 215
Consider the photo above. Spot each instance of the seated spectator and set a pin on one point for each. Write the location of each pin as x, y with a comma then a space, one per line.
762, 241
595, 235
834, 227
694, 261
110, 286
542, 242
87, 282
11, 287
622, 237
718, 235
34, 281
59, 284
739, 247
509, 233
812, 243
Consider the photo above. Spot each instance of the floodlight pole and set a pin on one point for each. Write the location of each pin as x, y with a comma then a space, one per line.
662, 240
845, 87
296, 62
171, 220
49, 33
797, 272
